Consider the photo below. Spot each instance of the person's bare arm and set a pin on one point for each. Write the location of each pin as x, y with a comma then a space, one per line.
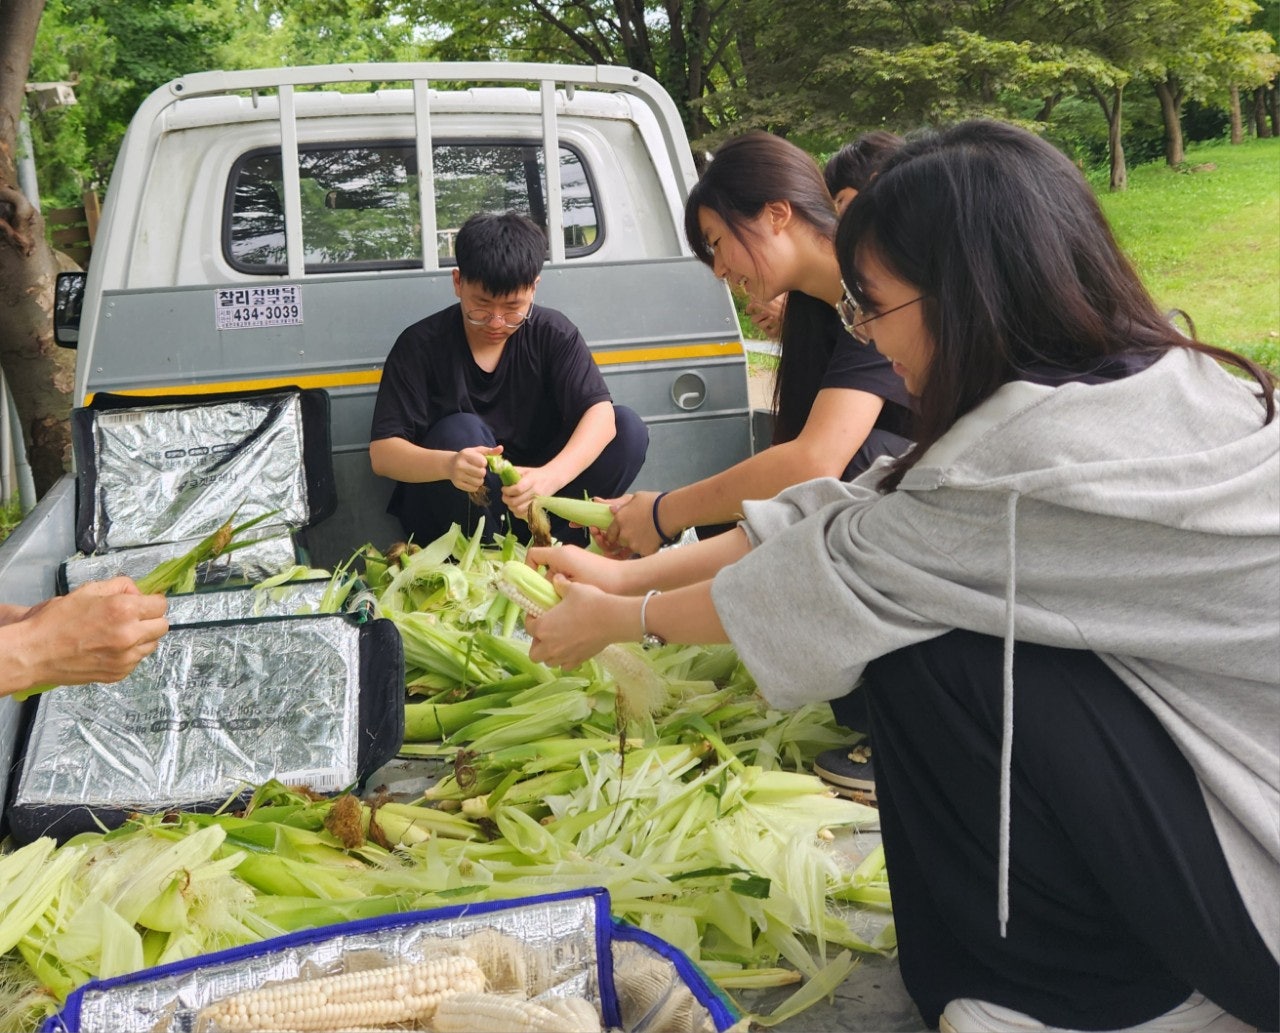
838, 424
99, 632
671, 568
402, 460
594, 431
10, 613
587, 619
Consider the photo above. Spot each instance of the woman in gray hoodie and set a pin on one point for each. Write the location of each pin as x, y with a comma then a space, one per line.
1091, 517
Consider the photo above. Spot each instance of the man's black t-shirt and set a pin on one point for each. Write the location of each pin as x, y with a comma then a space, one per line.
544, 381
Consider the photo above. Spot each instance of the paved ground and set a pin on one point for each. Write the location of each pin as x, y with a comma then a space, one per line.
872, 998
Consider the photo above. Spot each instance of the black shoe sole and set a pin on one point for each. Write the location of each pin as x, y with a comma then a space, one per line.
864, 785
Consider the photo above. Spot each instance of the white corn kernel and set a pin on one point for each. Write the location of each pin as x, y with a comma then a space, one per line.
497, 1013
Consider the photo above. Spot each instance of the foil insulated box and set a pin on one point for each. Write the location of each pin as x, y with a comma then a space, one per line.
218, 709
174, 469
580, 950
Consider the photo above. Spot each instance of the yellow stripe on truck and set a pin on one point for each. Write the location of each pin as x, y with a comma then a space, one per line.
361, 378
662, 354
326, 380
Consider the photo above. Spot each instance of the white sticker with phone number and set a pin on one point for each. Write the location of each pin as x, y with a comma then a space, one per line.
240, 308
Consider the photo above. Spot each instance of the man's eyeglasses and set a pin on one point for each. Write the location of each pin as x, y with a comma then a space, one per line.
854, 317
512, 321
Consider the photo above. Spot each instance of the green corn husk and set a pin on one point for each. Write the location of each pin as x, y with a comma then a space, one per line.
179, 572
504, 468
582, 512
433, 646
702, 836
430, 722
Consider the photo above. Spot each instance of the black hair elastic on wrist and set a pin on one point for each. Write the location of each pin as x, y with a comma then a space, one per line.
657, 526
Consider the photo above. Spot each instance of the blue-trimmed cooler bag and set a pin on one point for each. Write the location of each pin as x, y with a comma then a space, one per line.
549, 950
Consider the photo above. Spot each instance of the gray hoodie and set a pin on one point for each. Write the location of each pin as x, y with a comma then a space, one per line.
1138, 518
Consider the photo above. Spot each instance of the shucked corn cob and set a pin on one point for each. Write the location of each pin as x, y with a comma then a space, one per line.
497, 1013
641, 692
652, 996
373, 997
578, 1011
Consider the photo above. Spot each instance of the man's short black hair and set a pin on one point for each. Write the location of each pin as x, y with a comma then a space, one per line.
503, 253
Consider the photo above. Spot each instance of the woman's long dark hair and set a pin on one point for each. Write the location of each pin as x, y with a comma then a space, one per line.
1016, 263
745, 174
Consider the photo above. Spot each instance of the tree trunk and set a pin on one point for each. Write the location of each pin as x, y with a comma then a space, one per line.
1113, 107
1171, 112
1260, 126
1237, 118
41, 375
1046, 108
1273, 106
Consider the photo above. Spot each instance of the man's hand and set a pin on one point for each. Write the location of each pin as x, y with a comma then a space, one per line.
97, 633
467, 468
534, 480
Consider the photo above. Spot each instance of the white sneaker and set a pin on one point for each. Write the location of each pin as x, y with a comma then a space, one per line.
1197, 1013
965, 1015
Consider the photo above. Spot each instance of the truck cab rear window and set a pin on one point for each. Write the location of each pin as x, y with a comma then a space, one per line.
360, 202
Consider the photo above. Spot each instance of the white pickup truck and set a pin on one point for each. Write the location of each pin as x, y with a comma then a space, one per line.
281, 227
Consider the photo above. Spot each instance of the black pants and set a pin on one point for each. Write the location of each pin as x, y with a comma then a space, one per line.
426, 510
1121, 903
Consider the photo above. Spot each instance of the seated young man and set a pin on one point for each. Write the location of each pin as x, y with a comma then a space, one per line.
497, 374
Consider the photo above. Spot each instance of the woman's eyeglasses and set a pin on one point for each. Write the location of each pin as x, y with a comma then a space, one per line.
854, 317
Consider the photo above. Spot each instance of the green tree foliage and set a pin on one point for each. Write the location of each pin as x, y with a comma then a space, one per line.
1199, 49
270, 33
689, 46
826, 71
835, 68
116, 51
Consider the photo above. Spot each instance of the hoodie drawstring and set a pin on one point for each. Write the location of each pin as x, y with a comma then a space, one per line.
1006, 729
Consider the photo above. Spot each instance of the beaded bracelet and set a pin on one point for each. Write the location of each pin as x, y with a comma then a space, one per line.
657, 526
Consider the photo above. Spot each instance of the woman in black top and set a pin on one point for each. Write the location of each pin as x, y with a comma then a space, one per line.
761, 217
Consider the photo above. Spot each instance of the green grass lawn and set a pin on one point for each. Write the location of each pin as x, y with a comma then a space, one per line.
1208, 241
